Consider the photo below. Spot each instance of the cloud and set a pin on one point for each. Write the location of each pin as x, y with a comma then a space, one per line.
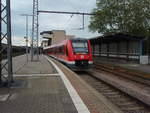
18, 41
51, 21
21, 5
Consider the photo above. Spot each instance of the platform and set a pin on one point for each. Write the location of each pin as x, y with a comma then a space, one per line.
36, 95
38, 88
131, 65
21, 66
49, 87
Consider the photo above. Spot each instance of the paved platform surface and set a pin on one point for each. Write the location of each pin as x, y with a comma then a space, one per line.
38, 88
36, 95
21, 66
129, 65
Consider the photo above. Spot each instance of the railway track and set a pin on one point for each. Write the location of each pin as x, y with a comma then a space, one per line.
125, 102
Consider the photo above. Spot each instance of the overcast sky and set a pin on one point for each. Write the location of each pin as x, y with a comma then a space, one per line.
70, 23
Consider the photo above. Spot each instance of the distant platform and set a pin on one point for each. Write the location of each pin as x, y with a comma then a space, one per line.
125, 64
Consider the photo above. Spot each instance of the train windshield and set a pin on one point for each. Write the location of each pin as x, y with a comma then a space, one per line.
80, 46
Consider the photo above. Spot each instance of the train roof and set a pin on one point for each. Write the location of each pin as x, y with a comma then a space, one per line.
61, 43
64, 41
78, 39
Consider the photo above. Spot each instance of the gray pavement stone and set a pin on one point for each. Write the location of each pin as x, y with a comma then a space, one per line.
39, 95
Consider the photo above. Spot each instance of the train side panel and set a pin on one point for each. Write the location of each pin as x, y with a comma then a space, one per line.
66, 53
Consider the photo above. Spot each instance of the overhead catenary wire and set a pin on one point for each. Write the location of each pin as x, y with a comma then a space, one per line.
66, 12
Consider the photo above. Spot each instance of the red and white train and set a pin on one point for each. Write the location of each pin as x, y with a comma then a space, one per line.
76, 53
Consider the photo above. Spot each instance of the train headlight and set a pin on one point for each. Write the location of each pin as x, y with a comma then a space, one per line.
90, 62
82, 56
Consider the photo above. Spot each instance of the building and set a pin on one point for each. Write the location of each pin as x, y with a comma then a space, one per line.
55, 36
44, 43
120, 46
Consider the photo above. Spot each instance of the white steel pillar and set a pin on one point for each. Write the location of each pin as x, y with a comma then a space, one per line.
35, 32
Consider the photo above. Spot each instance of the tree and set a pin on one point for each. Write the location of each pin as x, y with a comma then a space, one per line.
125, 16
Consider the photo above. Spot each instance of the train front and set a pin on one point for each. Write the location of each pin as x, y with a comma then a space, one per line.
81, 54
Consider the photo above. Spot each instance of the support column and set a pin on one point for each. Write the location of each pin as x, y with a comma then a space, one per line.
118, 49
100, 48
148, 46
0, 41
108, 50
141, 47
127, 52
9, 49
35, 32
93, 49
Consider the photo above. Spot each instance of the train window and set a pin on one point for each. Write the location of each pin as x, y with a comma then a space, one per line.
54, 49
62, 49
66, 50
57, 50
51, 50
80, 46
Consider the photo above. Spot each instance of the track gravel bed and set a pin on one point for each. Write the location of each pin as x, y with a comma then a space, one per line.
132, 88
125, 102
119, 71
